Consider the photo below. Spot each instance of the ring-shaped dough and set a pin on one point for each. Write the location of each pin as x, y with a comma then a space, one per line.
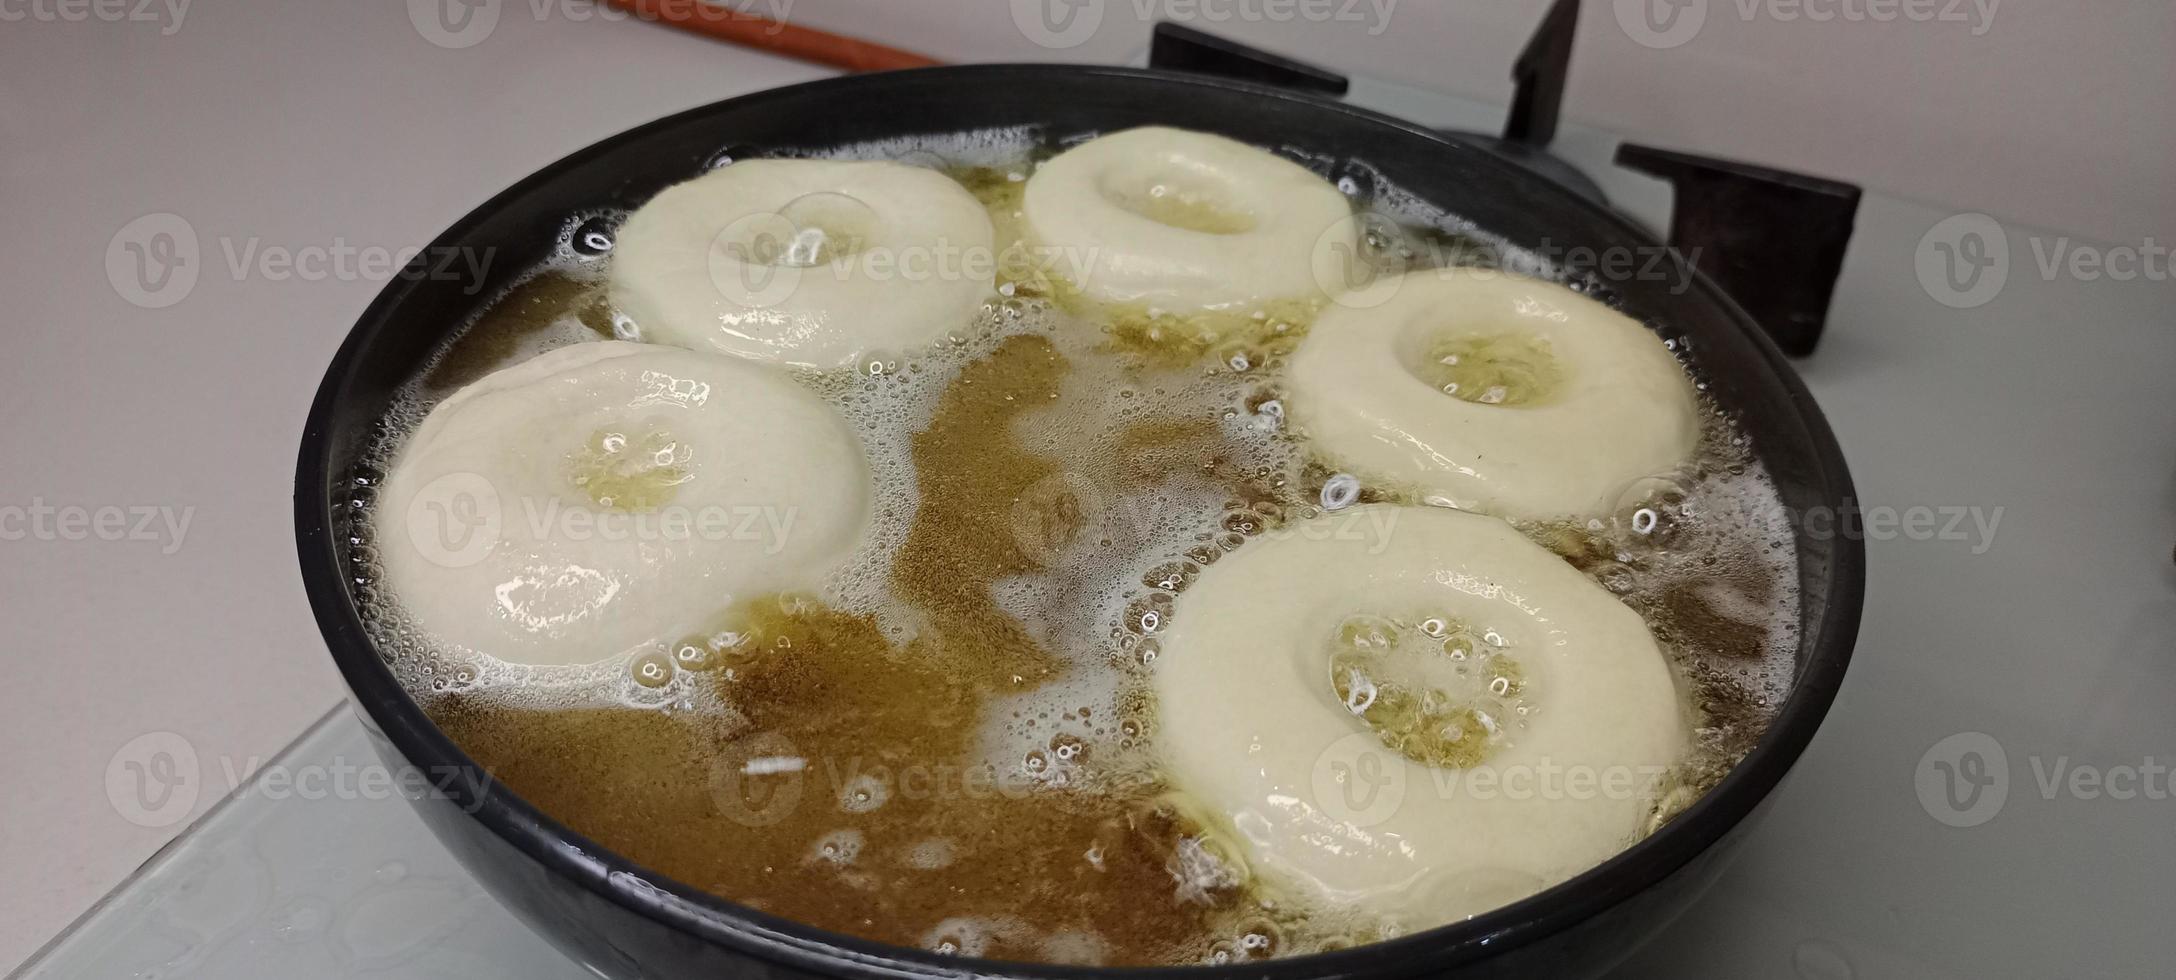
1182, 221
814, 263
1595, 403
602, 497
1254, 723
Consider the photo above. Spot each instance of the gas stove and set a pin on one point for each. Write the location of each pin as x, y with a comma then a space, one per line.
1773, 239
1989, 797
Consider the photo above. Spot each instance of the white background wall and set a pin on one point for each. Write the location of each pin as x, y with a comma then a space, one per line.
2055, 113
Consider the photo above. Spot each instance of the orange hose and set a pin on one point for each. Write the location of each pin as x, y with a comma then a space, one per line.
778, 37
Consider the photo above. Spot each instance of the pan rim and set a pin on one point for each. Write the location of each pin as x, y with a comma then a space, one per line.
719, 921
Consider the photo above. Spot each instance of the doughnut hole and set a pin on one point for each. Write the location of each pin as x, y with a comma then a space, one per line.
632, 468
819, 228
1431, 688
1172, 192
1509, 368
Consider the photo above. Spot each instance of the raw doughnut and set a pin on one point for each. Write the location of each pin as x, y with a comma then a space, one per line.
1494, 392
1183, 221
815, 263
1414, 712
606, 496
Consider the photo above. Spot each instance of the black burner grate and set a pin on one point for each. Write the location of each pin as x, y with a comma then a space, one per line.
1773, 239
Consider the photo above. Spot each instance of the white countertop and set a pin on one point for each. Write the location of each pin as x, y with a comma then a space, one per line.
2052, 402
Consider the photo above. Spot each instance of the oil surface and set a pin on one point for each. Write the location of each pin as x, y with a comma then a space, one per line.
949, 745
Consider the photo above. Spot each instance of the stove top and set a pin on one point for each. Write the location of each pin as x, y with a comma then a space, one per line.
1990, 796
1773, 239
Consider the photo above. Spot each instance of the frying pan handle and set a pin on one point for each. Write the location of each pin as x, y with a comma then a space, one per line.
778, 37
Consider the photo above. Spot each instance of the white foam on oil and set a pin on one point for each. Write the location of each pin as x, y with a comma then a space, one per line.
1002, 148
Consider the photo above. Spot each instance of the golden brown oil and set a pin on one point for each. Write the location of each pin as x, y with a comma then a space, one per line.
958, 758
965, 459
521, 316
887, 833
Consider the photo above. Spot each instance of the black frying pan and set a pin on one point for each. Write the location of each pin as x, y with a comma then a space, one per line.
627, 922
